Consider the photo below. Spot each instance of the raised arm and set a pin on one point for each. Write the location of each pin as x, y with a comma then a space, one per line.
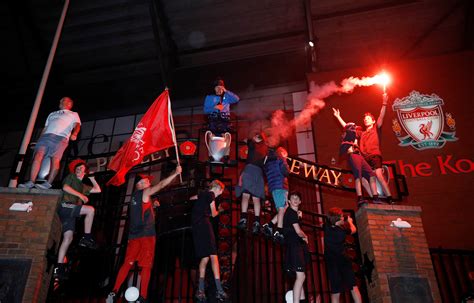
163, 183
95, 186
337, 114
382, 111
349, 223
231, 97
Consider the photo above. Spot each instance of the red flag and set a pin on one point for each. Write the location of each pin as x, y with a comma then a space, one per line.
153, 133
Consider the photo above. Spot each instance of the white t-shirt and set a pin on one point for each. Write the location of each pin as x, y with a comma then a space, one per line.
61, 123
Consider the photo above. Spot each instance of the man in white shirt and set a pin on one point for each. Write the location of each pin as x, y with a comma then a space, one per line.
60, 126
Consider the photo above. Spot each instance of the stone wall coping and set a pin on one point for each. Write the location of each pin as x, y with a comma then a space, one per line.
32, 191
381, 208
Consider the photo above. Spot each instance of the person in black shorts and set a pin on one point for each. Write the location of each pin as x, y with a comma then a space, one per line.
297, 255
203, 237
75, 193
360, 168
338, 265
370, 146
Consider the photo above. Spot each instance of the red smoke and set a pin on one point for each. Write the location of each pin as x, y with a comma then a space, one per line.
282, 128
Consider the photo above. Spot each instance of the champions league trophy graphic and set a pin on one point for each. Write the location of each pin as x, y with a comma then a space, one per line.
218, 147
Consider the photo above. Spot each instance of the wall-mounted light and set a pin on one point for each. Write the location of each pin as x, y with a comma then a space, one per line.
311, 43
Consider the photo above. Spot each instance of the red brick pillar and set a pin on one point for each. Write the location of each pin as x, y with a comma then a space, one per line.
26, 237
403, 269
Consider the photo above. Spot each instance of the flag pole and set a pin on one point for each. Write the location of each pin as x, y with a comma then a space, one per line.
174, 135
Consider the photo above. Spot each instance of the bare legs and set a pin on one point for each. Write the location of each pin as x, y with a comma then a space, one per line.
36, 166
298, 291
67, 239
214, 265
88, 212
381, 179
245, 204
355, 296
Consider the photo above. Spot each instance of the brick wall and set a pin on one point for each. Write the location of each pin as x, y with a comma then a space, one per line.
28, 235
397, 253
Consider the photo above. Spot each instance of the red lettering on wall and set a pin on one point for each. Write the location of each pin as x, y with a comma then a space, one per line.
444, 165
409, 166
465, 168
423, 169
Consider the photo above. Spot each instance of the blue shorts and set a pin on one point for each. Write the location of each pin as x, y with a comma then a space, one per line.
280, 196
51, 145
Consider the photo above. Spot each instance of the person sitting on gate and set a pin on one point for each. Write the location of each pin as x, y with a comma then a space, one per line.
75, 193
217, 107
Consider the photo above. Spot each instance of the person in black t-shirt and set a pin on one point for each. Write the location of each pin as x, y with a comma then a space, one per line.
141, 234
203, 237
339, 266
296, 241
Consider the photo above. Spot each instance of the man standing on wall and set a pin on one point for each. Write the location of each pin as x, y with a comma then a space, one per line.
370, 145
60, 126
142, 234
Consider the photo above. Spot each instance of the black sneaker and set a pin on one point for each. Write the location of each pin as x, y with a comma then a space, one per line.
200, 295
89, 243
256, 228
361, 202
221, 296
378, 201
278, 237
242, 224
111, 297
267, 230
60, 272
141, 300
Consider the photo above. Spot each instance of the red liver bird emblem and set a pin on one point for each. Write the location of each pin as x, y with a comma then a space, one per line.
425, 130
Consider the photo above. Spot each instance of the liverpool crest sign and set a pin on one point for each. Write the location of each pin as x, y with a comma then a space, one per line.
422, 119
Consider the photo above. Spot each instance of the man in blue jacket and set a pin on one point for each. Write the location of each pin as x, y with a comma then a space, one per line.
217, 107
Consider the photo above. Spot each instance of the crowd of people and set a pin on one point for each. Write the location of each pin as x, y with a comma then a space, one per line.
265, 164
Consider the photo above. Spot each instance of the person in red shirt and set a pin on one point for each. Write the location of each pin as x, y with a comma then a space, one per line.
370, 145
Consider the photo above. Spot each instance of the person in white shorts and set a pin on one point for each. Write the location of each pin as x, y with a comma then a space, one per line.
60, 127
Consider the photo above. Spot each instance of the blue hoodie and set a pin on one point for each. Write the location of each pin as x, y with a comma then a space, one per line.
212, 100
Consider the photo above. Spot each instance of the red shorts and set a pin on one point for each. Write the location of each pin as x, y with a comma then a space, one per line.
141, 250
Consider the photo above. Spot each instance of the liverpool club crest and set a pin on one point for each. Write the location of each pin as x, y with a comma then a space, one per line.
422, 119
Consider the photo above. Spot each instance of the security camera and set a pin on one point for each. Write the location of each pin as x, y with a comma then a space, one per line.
399, 223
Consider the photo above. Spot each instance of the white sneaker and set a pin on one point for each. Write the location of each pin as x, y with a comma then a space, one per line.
44, 185
110, 298
28, 184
